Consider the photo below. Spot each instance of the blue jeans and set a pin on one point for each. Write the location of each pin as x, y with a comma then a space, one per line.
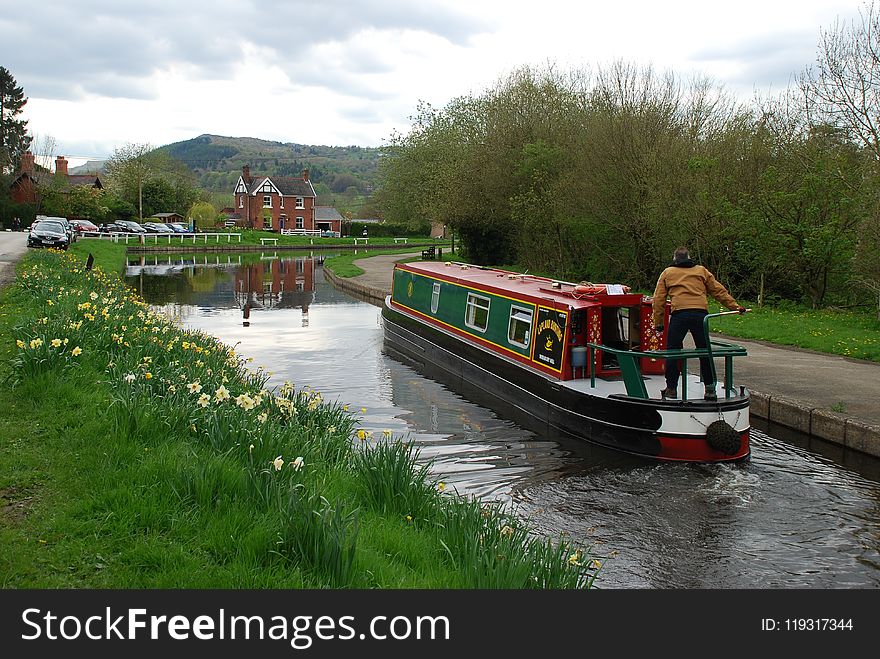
680, 323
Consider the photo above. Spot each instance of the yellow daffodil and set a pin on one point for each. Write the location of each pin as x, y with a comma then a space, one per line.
278, 463
194, 387
56, 343
221, 394
76, 352
204, 400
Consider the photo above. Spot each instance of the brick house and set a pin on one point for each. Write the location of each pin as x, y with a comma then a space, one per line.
275, 203
25, 187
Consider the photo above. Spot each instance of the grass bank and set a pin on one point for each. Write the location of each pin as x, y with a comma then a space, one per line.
134, 454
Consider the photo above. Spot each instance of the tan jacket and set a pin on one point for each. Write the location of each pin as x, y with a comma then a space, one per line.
687, 286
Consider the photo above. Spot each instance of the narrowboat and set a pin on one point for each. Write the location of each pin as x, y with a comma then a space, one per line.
583, 359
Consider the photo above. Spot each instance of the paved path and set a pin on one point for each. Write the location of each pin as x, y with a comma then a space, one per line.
13, 244
797, 388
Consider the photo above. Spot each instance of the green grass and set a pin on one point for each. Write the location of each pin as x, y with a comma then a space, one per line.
343, 265
844, 333
134, 454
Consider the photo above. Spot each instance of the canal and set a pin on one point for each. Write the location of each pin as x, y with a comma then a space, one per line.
790, 517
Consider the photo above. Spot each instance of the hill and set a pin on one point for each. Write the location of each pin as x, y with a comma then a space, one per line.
217, 162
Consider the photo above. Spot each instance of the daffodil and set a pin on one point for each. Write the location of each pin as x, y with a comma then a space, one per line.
361, 435
194, 387
221, 394
76, 352
262, 416
203, 400
56, 343
298, 463
441, 486
278, 463
130, 377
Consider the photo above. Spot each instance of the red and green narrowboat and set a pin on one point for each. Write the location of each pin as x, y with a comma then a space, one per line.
583, 359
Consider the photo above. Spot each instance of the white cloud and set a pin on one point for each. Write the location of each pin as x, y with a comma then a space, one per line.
100, 73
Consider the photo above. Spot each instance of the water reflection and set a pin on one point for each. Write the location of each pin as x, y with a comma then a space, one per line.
788, 518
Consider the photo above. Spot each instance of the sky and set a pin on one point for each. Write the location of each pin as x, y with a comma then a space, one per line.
100, 74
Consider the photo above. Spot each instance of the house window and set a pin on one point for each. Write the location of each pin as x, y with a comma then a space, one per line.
282, 202
520, 326
241, 201
476, 314
267, 222
435, 297
267, 201
300, 202
299, 222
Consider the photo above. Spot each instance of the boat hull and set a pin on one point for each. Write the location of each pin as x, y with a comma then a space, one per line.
664, 430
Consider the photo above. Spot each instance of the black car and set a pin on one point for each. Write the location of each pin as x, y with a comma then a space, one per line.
48, 233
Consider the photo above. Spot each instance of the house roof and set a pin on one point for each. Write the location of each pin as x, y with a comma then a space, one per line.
166, 215
84, 179
327, 213
289, 186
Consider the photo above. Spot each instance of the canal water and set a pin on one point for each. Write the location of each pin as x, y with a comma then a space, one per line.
793, 516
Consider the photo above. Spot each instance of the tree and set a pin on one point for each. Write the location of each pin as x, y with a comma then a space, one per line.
129, 169
14, 139
203, 214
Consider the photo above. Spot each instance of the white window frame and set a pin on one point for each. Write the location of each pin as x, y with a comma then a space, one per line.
520, 315
300, 202
300, 222
267, 201
474, 305
267, 222
241, 201
281, 203
435, 297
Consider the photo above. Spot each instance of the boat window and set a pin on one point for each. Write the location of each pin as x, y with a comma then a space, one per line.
519, 329
435, 297
477, 312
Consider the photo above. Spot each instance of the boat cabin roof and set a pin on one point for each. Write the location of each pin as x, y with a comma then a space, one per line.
549, 292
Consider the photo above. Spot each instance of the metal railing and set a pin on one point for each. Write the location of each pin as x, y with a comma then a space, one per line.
628, 362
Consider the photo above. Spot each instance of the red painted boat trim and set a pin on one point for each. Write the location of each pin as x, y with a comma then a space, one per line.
697, 449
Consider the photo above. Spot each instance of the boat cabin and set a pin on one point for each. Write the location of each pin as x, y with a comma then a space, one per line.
545, 324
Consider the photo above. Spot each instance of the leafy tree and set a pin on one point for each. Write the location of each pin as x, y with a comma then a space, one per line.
203, 214
129, 169
14, 139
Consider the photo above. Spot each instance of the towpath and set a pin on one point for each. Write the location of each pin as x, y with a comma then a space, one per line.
833, 398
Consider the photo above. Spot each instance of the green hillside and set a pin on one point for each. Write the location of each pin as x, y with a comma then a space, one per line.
217, 162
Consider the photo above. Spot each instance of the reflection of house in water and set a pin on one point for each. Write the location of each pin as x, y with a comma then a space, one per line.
279, 283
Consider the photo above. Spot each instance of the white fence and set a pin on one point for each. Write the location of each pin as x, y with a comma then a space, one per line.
143, 238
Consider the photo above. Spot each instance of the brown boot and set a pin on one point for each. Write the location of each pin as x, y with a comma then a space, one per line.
669, 392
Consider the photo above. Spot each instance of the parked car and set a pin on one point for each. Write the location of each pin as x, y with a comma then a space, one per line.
84, 226
68, 227
48, 233
134, 227
156, 227
114, 227
179, 228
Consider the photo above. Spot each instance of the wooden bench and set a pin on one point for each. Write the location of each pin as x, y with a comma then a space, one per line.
429, 254
400, 240
357, 239
264, 241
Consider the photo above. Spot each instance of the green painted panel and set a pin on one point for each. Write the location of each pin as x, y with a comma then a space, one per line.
416, 292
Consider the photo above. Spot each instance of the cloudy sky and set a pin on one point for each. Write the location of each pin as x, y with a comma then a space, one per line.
102, 73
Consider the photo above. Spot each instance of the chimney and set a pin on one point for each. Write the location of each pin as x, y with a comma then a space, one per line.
305, 175
27, 163
246, 174
61, 166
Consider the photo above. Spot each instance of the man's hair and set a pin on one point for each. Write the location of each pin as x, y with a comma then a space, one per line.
681, 254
